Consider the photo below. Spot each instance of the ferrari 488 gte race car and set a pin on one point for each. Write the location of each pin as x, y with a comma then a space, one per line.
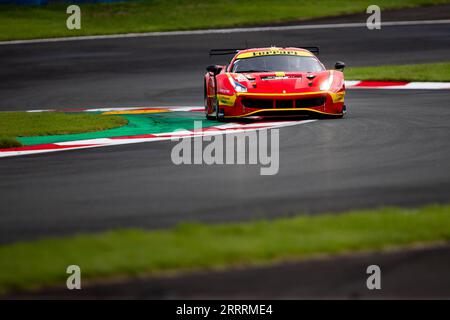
273, 82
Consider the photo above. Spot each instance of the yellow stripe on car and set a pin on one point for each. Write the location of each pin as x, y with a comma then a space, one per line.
337, 97
291, 109
226, 100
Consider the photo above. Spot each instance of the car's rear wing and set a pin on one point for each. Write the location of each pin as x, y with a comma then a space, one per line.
314, 50
223, 52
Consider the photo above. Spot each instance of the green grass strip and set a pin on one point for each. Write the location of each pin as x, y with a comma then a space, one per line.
27, 22
137, 125
197, 246
19, 124
439, 72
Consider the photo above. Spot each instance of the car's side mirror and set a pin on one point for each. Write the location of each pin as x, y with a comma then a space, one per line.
339, 65
214, 69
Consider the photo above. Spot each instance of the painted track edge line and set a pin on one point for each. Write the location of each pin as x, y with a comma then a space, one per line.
225, 31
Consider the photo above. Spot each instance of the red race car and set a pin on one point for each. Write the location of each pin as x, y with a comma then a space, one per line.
273, 82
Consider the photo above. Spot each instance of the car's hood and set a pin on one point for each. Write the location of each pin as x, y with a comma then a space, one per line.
281, 82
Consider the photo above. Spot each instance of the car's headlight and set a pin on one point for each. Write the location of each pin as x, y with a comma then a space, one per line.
237, 86
326, 85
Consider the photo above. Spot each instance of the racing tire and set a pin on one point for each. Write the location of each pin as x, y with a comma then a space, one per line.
344, 111
205, 101
216, 106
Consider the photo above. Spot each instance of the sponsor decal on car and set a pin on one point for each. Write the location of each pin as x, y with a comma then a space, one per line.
273, 52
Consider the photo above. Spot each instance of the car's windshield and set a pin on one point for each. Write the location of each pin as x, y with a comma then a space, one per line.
287, 63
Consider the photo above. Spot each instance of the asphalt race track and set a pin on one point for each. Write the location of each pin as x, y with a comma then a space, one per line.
392, 149
169, 70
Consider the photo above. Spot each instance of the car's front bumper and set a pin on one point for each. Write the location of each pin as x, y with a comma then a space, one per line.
320, 103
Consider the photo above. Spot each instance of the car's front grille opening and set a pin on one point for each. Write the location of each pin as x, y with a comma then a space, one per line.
284, 104
258, 103
310, 102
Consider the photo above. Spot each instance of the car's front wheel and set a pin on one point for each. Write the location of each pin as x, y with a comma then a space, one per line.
344, 110
216, 107
205, 94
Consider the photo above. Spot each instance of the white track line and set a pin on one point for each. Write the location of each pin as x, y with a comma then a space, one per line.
230, 30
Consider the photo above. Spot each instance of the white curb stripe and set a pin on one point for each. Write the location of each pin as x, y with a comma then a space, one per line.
209, 131
43, 110
428, 85
410, 85
230, 30
6, 154
172, 108
350, 83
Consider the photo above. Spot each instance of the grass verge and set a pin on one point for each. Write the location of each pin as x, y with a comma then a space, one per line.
27, 22
7, 142
197, 246
409, 72
29, 124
